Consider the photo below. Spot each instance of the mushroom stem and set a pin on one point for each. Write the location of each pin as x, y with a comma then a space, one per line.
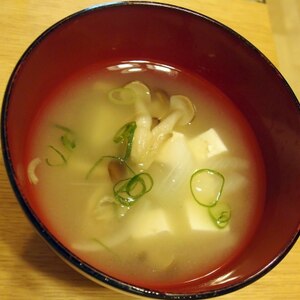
146, 142
181, 114
142, 136
167, 124
142, 139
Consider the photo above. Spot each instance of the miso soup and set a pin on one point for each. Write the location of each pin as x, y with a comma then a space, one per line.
145, 172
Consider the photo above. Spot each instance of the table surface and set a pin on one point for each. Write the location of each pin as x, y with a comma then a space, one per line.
28, 268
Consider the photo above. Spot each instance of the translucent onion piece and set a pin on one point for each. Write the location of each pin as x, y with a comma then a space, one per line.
33, 179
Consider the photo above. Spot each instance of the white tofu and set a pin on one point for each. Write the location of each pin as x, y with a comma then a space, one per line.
206, 145
199, 219
149, 223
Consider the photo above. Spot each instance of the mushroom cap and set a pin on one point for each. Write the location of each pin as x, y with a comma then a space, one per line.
185, 106
132, 92
141, 91
160, 104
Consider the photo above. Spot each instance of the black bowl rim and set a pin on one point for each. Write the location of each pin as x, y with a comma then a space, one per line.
63, 251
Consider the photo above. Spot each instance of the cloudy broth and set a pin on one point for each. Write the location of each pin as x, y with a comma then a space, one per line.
166, 236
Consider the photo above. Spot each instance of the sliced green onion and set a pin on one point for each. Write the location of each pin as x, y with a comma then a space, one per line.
68, 142
220, 214
207, 186
104, 246
125, 135
123, 96
121, 194
64, 128
61, 156
139, 185
129, 190
68, 139
126, 191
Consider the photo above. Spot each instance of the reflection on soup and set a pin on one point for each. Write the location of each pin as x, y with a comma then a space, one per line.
145, 172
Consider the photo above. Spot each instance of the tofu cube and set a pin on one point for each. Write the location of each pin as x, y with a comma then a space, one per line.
199, 219
207, 145
147, 224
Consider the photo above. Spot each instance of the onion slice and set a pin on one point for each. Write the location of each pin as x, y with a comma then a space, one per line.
33, 179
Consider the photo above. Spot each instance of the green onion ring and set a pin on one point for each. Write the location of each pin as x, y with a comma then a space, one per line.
211, 172
124, 189
125, 134
220, 214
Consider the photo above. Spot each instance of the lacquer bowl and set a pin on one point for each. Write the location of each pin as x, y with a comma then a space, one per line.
203, 46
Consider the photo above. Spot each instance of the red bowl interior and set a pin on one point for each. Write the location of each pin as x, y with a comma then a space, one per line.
181, 38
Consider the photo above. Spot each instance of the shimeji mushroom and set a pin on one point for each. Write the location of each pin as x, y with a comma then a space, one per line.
150, 135
160, 102
142, 136
139, 95
181, 113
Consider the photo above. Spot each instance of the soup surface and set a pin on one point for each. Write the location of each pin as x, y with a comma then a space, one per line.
130, 187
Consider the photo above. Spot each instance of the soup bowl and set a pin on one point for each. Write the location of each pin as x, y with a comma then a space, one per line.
190, 41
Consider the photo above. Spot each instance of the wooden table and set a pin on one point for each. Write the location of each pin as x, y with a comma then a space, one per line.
28, 268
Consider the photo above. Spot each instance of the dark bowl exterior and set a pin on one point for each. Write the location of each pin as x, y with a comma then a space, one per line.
192, 42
